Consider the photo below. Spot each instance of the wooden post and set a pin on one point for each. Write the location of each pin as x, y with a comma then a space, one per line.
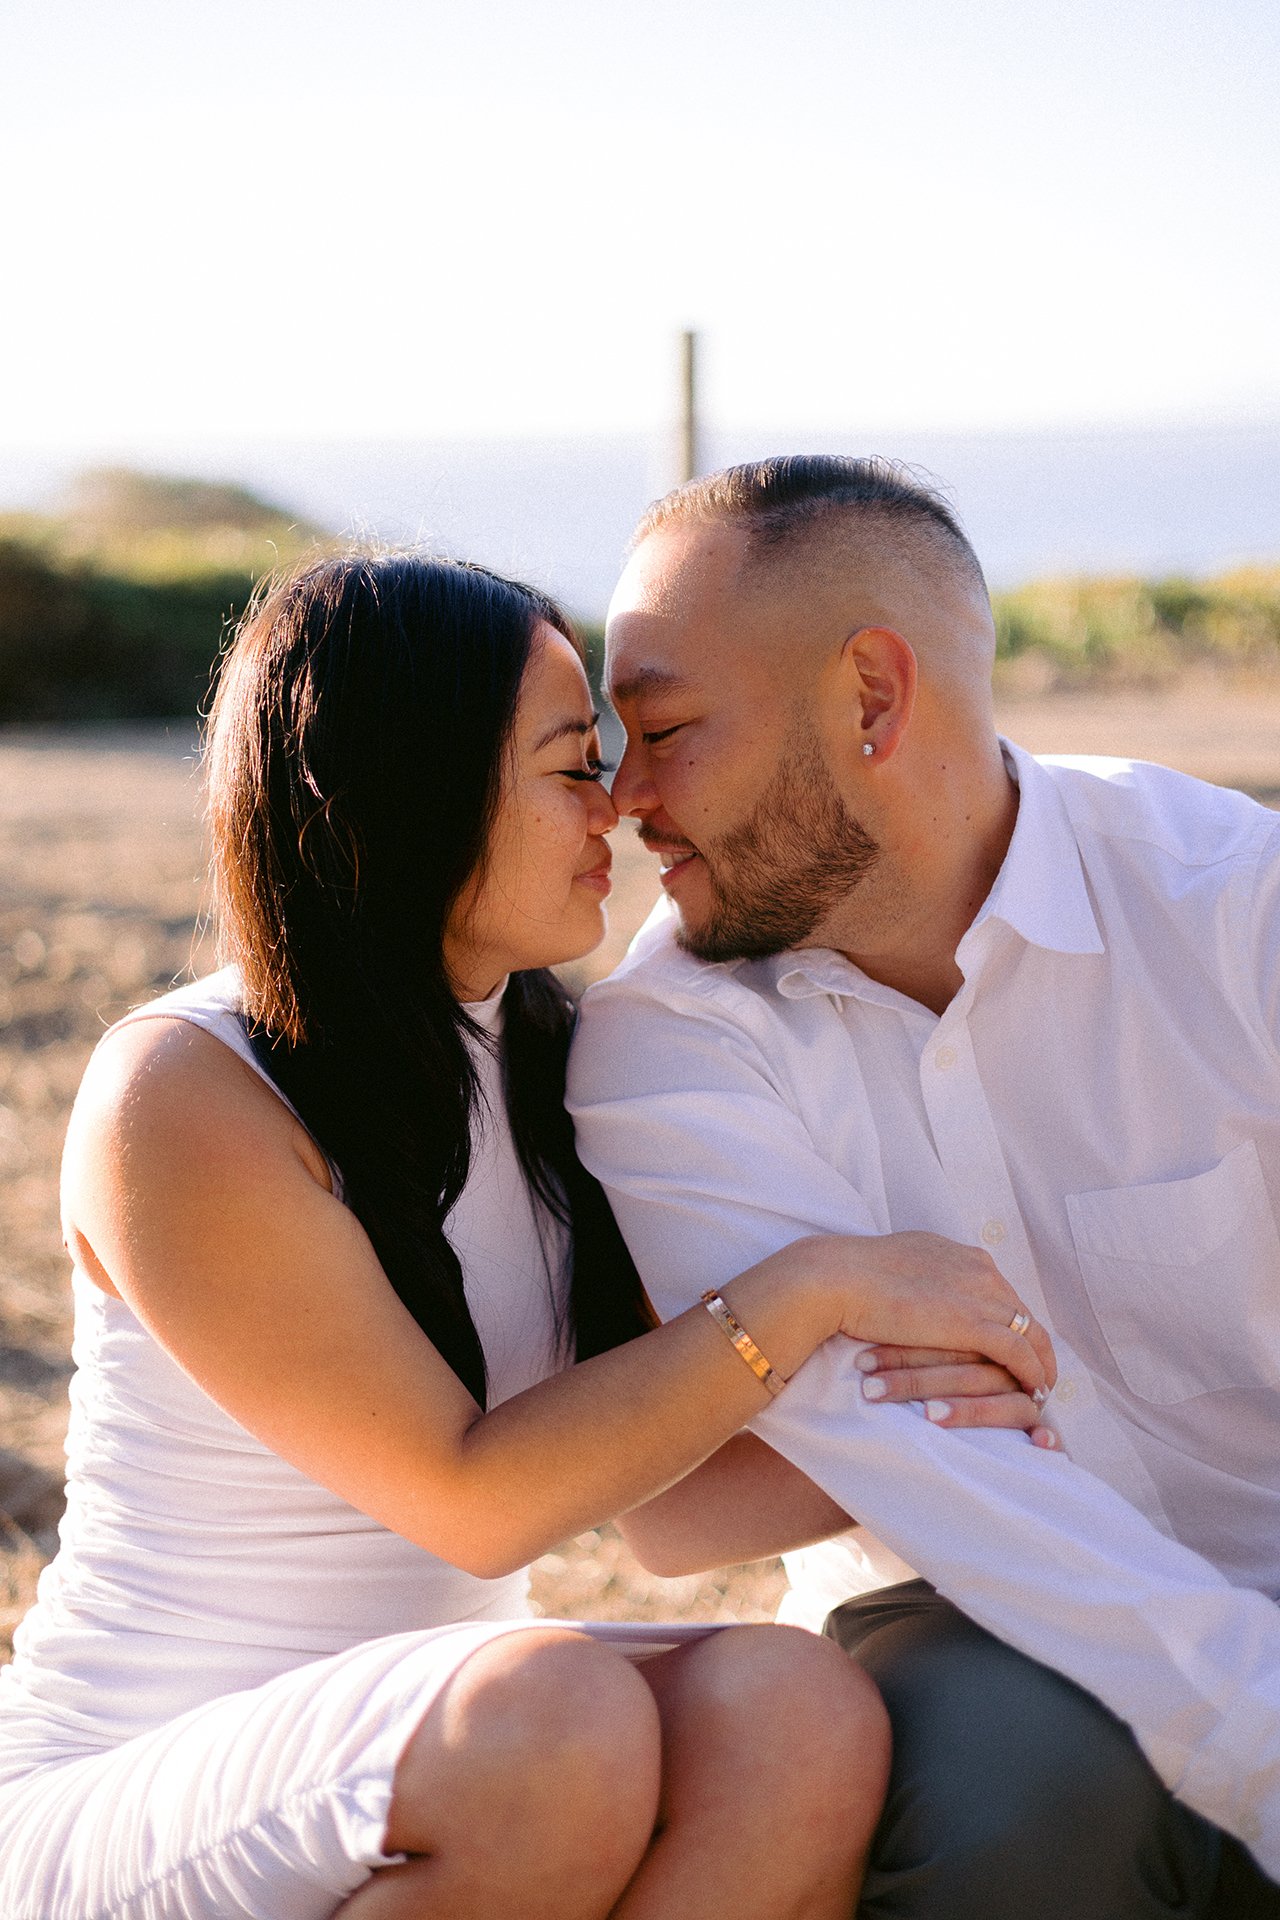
688, 443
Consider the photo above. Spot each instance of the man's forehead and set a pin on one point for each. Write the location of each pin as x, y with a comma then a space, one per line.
679, 568
675, 610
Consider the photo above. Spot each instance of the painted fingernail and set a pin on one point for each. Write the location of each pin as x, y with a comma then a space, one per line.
866, 1361
874, 1389
936, 1409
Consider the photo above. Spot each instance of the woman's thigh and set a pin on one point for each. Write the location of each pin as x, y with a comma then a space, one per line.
270, 1804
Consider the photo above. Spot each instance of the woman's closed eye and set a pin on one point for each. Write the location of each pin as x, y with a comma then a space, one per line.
661, 733
594, 770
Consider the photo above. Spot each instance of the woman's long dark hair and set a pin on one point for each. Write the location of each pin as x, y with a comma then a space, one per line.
356, 756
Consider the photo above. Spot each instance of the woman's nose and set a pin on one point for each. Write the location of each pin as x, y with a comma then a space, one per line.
604, 815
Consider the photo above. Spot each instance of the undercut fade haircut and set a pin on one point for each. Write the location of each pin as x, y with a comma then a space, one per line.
779, 501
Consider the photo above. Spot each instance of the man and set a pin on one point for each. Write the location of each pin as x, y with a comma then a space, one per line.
910, 978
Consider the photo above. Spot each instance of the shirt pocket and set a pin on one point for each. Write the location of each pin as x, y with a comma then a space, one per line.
1184, 1278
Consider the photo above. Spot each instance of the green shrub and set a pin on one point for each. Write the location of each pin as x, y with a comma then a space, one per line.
117, 608
1141, 632
76, 644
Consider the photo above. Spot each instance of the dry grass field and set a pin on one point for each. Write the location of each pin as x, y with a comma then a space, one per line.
100, 888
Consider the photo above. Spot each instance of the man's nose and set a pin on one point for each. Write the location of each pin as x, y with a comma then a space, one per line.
632, 789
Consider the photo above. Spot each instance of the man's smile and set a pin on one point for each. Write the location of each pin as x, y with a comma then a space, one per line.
675, 866
673, 855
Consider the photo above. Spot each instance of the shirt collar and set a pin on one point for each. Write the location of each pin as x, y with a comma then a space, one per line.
1040, 892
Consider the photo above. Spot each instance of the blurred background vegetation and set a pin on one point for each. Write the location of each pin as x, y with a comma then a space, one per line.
1066, 634
116, 606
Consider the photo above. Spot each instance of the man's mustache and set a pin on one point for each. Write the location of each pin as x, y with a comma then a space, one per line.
663, 842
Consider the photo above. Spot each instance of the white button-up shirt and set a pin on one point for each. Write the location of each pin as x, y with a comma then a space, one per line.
1099, 1106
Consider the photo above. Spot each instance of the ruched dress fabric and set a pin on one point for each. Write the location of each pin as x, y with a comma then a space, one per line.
225, 1660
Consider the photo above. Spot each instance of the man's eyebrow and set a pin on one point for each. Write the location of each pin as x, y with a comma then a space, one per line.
566, 729
648, 680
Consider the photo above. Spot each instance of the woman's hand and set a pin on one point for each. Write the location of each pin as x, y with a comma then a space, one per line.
945, 1326
956, 1389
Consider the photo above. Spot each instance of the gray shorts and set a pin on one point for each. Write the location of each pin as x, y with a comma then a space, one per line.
1015, 1793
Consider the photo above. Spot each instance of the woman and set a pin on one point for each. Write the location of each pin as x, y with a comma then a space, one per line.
333, 1253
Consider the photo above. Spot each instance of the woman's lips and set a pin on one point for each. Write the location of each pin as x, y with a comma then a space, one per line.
597, 878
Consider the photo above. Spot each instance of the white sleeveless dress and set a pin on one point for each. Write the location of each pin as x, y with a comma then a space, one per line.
225, 1660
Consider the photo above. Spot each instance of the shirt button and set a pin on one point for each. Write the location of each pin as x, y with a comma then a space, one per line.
993, 1232
945, 1057
1066, 1391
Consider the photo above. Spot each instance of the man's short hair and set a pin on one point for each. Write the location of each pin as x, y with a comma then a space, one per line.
778, 501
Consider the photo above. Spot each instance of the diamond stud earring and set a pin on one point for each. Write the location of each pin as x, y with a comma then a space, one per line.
868, 748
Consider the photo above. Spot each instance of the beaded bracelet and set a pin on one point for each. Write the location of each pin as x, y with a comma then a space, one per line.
738, 1337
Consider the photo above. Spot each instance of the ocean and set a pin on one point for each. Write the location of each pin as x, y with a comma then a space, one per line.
1193, 499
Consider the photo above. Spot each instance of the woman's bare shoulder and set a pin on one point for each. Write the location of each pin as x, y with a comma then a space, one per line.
185, 1195
164, 1107
164, 1081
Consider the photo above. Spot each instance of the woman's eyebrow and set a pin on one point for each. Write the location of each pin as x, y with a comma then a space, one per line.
563, 729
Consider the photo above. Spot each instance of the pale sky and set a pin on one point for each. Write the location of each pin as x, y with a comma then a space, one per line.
381, 218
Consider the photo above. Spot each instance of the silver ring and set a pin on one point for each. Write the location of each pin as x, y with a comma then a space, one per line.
1020, 1322
1040, 1395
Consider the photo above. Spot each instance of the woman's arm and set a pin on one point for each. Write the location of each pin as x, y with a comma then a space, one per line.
191, 1190
744, 1503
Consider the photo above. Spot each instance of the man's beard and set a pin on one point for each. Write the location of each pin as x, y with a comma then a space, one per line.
777, 875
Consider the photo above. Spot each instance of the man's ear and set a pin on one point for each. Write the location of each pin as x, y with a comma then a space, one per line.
878, 669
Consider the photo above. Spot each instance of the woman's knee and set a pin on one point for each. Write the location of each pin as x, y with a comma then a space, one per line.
547, 1723
797, 1699
797, 1678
